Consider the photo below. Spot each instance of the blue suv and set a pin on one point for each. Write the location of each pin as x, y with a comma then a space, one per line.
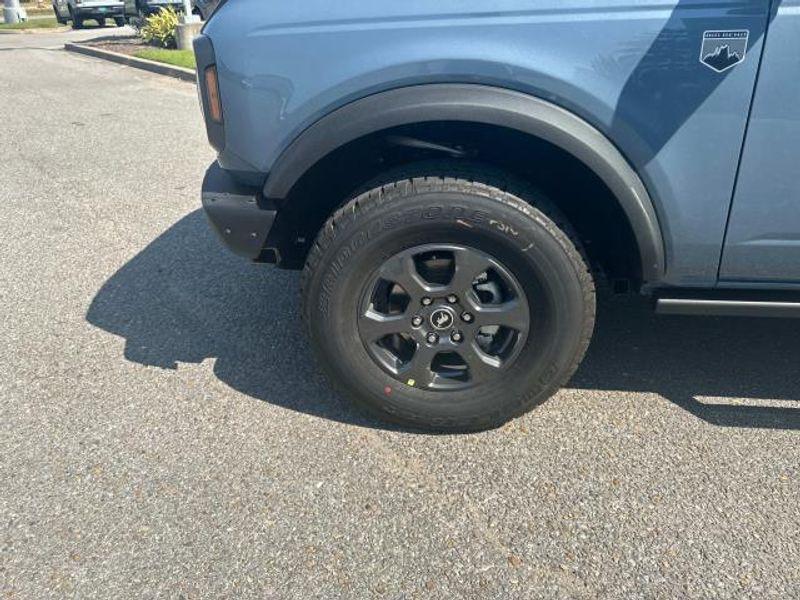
456, 177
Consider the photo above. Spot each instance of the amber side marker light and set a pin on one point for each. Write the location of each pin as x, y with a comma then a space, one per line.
212, 89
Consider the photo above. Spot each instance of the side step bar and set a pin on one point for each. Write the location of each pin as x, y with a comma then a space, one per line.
728, 307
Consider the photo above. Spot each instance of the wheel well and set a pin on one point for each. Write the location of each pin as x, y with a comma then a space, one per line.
582, 196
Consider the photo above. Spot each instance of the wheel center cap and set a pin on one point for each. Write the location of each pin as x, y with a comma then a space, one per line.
442, 318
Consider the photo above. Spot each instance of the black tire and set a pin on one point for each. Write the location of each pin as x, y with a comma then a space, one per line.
59, 19
468, 210
119, 21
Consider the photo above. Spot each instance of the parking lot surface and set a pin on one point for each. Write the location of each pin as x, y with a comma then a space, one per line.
165, 432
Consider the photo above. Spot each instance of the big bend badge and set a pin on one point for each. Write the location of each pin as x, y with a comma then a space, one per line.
723, 50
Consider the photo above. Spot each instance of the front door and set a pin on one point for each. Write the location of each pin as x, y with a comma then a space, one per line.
763, 240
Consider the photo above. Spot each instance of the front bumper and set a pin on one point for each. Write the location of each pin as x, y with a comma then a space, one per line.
100, 11
240, 214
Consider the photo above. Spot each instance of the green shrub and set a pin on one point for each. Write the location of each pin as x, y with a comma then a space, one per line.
160, 29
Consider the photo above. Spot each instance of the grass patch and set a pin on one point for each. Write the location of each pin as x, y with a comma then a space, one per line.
179, 58
46, 23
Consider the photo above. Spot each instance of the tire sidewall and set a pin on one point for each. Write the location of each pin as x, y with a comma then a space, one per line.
521, 238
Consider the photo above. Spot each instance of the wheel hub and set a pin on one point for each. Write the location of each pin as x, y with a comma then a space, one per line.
442, 318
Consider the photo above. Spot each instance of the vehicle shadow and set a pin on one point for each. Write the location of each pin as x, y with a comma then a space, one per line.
734, 372
184, 299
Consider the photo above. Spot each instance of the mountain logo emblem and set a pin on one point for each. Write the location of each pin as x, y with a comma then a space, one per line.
722, 50
442, 318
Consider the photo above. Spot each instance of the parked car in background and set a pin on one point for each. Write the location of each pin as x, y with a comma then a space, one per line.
204, 8
78, 11
137, 9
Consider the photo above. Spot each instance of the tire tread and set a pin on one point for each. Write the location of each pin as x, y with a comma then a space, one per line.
488, 183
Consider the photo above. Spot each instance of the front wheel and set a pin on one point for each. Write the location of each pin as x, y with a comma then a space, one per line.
59, 19
447, 303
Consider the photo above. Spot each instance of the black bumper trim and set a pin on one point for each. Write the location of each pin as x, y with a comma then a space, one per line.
240, 215
93, 11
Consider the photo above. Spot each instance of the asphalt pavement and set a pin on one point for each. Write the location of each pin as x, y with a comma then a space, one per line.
165, 433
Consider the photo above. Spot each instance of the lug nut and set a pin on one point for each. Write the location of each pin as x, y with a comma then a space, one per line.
433, 338
416, 321
452, 299
426, 301
457, 337
467, 317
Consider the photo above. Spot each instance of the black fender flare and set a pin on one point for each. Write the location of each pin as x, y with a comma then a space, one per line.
491, 106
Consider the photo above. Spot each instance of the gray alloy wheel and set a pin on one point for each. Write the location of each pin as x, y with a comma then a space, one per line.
443, 317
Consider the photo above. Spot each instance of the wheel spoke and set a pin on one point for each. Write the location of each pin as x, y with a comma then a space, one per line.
481, 365
512, 314
418, 373
468, 265
374, 325
402, 270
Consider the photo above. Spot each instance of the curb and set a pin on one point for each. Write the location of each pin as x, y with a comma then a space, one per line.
36, 30
132, 61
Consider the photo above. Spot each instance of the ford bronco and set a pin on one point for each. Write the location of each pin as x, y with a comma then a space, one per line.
456, 177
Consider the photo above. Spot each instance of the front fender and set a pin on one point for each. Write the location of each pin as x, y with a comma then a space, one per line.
489, 106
